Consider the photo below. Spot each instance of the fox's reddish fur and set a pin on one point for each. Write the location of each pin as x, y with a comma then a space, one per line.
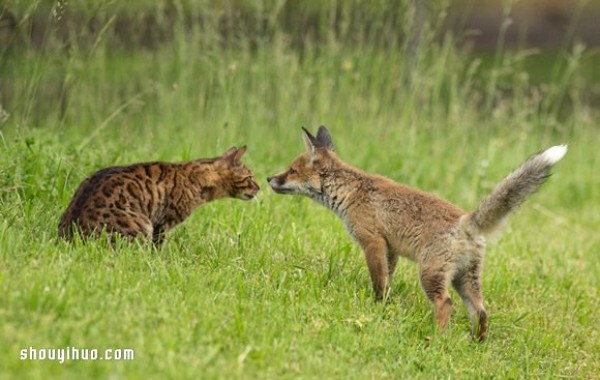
390, 220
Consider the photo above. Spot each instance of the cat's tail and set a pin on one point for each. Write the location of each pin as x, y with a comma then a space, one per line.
65, 227
512, 191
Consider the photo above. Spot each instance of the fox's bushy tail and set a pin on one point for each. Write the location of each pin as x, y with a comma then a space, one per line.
513, 190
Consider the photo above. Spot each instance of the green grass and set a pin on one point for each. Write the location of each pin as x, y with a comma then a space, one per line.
275, 288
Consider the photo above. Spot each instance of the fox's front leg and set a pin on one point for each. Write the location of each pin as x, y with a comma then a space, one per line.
375, 250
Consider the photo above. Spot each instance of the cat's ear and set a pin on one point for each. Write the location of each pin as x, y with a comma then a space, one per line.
229, 156
230, 152
237, 159
234, 155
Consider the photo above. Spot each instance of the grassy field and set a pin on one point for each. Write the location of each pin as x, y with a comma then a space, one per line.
275, 288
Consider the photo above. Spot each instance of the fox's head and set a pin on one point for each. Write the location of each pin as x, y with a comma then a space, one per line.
305, 174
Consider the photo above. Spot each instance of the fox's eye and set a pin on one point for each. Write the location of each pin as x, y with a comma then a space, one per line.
291, 171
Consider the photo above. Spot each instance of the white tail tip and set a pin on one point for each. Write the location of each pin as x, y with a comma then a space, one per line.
554, 154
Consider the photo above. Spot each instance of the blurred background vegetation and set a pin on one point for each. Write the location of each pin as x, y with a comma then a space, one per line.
46, 47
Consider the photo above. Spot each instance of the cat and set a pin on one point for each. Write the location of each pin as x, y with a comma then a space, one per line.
147, 199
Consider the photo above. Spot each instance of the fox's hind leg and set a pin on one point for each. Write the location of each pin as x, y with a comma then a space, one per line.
468, 284
435, 280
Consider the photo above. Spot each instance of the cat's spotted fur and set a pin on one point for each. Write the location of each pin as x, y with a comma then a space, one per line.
147, 199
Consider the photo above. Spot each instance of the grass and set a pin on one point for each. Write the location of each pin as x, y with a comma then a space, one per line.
275, 288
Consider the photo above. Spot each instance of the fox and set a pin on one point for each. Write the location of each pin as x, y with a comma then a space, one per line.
390, 220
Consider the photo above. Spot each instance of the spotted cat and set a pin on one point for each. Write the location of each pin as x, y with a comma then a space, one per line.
147, 199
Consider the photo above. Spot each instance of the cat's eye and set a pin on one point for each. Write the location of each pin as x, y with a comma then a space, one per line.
291, 171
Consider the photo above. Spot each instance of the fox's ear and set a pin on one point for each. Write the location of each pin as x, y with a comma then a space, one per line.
324, 138
322, 141
310, 142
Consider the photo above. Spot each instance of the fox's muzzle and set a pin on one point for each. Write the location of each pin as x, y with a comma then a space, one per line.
273, 182
277, 185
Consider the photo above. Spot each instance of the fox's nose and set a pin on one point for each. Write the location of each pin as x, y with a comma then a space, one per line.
269, 179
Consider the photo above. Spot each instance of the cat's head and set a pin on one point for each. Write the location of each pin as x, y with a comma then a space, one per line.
240, 180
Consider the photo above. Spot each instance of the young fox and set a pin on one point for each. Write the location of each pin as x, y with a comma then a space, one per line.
390, 220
